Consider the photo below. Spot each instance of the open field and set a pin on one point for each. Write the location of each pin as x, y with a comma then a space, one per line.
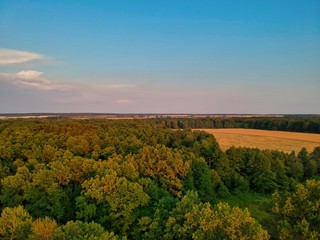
264, 139
24, 116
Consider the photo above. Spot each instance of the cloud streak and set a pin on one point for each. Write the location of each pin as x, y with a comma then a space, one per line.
11, 56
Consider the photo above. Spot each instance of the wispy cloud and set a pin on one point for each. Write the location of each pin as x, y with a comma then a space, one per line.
31, 79
69, 92
123, 101
31, 90
119, 86
11, 56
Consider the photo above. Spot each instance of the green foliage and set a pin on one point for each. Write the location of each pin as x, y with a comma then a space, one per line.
257, 203
41, 203
86, 211
82, 231
203, 181
153, 224
309, 164
259, 168
315, 155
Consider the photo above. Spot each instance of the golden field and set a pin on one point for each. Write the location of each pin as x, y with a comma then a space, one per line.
264, 139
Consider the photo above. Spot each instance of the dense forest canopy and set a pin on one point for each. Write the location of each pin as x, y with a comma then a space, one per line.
139, 179
291, 124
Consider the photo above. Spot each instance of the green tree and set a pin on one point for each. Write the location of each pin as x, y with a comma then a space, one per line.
258, 169
309, 164
295, 167
82, 231
315, 155
203, 180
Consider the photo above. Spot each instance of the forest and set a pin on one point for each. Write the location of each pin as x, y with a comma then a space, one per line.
291, 124
93, 179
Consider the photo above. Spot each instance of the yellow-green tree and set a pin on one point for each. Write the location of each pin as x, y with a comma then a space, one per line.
13, 187
82, 231
164, 166
297, 215
193, 220
78, 145
43, 229
15, 223
121, 195
224, 222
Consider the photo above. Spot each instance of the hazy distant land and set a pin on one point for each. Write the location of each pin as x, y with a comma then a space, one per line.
142, 115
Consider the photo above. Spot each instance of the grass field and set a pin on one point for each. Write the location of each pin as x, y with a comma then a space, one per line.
264, 139
256, 203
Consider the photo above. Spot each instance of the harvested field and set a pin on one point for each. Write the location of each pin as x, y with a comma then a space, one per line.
264, 139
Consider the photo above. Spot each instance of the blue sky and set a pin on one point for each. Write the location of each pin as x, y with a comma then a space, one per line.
160, 56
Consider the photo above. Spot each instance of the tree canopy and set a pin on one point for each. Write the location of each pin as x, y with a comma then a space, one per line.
139, 179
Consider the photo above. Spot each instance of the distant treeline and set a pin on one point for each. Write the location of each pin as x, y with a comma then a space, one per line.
308, 125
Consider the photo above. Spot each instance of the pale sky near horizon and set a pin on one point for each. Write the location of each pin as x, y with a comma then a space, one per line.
174, 56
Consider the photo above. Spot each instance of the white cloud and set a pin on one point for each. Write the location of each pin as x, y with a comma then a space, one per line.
29, 74
11, 56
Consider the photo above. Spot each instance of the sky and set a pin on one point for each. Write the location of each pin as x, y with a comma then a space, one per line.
167, 56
